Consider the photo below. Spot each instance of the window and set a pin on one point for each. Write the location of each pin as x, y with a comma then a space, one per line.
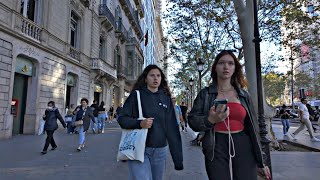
130, 63
74, 30
30, 9
102, 49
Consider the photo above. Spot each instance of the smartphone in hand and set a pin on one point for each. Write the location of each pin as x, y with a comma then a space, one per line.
220, 102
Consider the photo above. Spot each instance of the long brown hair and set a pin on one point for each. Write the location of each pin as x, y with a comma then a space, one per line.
140, 83
237, 79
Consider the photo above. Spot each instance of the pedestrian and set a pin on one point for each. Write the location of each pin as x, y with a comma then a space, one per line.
84, 113
312, 115
231, 143
111, 114
184, 110
69, 119
101, 117
305, 121
50, 117
284, 115
160, 120
95, 109
178, 113
118, 110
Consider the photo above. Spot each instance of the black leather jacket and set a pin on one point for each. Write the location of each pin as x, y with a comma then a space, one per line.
198, 121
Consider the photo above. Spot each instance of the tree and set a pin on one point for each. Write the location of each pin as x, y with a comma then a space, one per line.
273, 84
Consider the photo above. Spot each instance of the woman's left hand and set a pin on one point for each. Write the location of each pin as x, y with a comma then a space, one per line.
265, 172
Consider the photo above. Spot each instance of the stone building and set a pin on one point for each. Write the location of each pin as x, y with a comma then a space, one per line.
63, 51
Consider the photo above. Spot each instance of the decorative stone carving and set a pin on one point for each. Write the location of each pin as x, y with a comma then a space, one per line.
29, 51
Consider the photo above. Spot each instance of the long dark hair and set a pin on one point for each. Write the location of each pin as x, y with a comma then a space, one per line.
237, 79
140, 83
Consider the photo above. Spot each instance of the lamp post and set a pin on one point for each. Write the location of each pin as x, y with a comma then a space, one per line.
200, 66
191, 84
263, 131
291, 59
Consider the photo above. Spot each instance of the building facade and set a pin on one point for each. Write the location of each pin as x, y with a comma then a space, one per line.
64, 52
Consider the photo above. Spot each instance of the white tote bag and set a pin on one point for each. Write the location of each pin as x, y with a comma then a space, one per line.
41, 127
133, 141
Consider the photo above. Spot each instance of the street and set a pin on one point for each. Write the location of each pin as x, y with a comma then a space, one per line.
21, 159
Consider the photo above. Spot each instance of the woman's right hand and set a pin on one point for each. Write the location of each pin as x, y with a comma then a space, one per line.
219, 114
147, 123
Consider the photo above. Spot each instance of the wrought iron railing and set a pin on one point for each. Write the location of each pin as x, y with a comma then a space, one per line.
105, 11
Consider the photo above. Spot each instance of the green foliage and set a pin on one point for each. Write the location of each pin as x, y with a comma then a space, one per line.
274, 84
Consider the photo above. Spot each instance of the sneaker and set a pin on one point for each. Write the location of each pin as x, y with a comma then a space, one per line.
54, 148
79, 148
82, 146
93, 130
102, 131
44, 152
314, 139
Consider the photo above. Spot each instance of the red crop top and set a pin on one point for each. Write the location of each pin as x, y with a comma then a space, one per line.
236, 117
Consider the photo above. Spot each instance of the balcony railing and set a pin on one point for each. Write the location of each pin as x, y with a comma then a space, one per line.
99, 64
132, 16
105, 11
30, 28
140, 7
74, 53
121, 30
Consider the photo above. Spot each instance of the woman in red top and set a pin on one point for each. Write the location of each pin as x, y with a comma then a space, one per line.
231, 142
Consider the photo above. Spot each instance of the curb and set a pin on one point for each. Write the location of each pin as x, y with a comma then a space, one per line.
301, 145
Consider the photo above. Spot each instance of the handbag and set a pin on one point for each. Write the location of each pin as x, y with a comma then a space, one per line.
80, 122
133, 141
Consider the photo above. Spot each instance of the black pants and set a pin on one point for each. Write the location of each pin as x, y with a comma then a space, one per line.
244, 164
49, 140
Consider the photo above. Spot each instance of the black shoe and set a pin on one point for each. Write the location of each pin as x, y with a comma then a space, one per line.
44, 152
54, 148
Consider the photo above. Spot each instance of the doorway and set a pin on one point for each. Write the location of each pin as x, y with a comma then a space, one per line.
20, 91
71, 90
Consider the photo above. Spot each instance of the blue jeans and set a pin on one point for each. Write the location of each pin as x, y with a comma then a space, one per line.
286, 125
101, 121
153, 167
92, 125
82, 135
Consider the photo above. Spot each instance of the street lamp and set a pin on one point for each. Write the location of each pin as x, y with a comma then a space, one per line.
200, 65
191, 84
263, 131
291, 59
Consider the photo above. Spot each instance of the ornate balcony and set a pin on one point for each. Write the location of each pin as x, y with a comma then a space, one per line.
106, 17
101, 65
28, 27
132, 16
74, 53
139, 7
121, 31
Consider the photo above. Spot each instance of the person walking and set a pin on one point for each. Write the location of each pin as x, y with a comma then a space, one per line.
84, 113
312, 115
118, 110
284, 115
184, 110
231, 144
101, 117
178, 113
305, 121
50, 117
69, 119
111, 114
160, 121
95, 110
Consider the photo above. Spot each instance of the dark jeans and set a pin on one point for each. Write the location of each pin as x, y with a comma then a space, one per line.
70, 128
244, 164
286, 125
49, 140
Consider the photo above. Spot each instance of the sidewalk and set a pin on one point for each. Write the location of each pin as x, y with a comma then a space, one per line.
302, 139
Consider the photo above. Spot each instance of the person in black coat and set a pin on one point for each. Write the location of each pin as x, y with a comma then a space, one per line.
50, 117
